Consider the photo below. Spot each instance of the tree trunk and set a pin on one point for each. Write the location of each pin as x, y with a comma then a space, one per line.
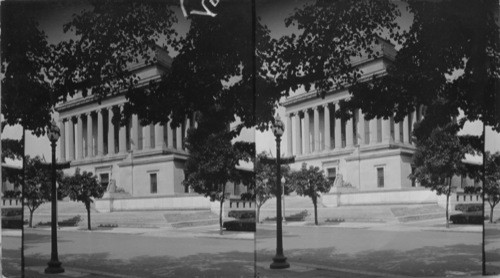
258, 214
315, 211
31, 218
491, 213
220, 211
448, 204
87, 206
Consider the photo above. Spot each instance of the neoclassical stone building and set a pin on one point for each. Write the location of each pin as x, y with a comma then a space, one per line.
142, 166
369, 155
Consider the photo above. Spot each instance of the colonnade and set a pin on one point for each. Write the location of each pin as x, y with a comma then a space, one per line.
315, 129
93, 134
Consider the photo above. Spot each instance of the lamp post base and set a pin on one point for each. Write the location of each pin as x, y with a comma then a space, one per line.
279, 262
54, 267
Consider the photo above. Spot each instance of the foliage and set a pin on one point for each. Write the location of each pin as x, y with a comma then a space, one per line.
214, 66
469, 207
448, 61
492, 180
214, 158
310, 182
265, 181
110, 40
70, 222
335, 220
299, 216
438, 158
26, 97
14, 194
330, 35
242, 214
83, 187
470, 218
247, 225
38, 183
12, 149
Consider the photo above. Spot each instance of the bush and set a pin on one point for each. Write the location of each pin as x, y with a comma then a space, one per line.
469, 207
335, 220
301, 216
246, 225
12, 218
463, 218
71, 222
242, 214
12, 194
108, 226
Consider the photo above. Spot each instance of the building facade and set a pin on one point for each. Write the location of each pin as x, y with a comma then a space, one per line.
366, 155
368, 161
144, 164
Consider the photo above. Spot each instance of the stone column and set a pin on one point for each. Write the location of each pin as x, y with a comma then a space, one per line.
349, 136
386, 130
406, 136
100, 135
111, 132
316, 144
71, 139
146, 134
361, 128
158, 136
170, 136
90, 148
289, 134
187, 125
298, 135
338, 129
79, 138
122, 142
134, 133
373, 131
397, 132
307, 147
328, 134
178, 137
412, 126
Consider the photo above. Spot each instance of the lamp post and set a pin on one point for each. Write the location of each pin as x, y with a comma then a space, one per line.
54, 265
283, 183
279, 260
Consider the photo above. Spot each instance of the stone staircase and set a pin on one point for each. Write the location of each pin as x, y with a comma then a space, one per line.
417, 212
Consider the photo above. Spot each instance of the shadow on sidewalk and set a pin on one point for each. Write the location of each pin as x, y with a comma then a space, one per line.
426, 261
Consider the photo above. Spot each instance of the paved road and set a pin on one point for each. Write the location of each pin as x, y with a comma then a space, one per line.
136, 255
492, 248
373, 252
335, 251
11, 253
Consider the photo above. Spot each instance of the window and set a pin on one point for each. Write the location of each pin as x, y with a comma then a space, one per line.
331, 174
380, 177
153, 183
104, 180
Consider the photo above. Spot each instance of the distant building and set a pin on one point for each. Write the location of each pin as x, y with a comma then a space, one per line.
142, 166
369, 160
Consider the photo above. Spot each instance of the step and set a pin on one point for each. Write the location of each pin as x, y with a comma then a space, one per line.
195, 223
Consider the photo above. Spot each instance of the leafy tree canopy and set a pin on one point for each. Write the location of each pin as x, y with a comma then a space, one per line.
26, 97
330, 35
449, 62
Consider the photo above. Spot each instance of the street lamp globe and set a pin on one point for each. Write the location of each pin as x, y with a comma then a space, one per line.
53, 132
278, 127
